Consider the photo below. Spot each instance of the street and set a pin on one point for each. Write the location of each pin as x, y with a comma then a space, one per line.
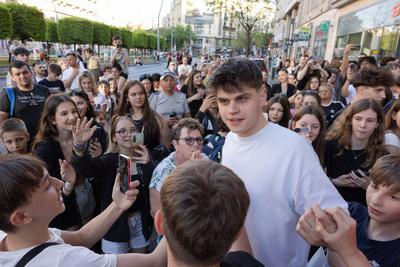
134, 71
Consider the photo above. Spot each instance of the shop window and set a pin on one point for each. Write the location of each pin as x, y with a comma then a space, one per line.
390, 38
355, 38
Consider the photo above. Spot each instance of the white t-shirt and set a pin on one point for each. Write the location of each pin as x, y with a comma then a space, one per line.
184, 69
352, 94
391, 139
58, 255
68, 72
283, 176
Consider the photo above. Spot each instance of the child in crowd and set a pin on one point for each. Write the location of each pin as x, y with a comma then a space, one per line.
103, 101
198, 218
378, 224
52, 80
15, 136
101, 119
30, 198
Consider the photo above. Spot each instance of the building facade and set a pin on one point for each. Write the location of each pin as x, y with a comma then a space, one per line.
323, 28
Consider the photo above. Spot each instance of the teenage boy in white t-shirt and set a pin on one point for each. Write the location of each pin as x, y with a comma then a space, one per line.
281, 171
30, 198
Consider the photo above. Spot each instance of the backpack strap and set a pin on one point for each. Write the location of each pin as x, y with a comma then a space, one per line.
11, 98
33, 253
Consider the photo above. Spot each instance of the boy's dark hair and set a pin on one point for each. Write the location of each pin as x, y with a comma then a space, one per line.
21, 51
116, 37
233, 74
17, 64
156, 77
117, 66
204, 205
369, 59
373, 77
386, 171
12, 125
55, 68
21, 176
89, 50
189, 123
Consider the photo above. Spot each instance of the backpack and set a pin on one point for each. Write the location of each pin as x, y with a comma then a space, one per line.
11, 98
213, 147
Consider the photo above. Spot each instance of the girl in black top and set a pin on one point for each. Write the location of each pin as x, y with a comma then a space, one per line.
354, 142
194, 91
54, 142
133, 228
278, 110
134, 102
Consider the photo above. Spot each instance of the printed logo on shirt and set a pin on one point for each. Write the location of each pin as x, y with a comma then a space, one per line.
32, 100
374, 263
54, 90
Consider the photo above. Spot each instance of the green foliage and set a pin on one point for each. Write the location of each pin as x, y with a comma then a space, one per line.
51, 31
101, 34
163, 43
28, 22
139, 39
115, 31
6, 26
127, 39
74, 30
152, 41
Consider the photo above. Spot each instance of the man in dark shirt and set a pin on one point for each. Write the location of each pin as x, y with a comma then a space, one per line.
26, 100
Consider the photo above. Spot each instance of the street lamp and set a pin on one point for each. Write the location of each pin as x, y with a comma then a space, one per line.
158, 27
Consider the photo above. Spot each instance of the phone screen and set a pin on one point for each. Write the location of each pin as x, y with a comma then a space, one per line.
127, 170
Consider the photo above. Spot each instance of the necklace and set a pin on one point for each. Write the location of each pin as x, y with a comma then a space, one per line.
356, 156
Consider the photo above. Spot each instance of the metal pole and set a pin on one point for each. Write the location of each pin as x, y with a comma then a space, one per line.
158, 27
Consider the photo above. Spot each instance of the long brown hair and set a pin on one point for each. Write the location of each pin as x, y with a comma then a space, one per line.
341, 130
318, 144
192, 88
47, 130
150, 118
390, 123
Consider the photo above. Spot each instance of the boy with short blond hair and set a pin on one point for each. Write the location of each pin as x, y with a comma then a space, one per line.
15, 136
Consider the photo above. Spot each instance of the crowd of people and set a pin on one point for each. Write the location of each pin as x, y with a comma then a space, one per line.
225, 168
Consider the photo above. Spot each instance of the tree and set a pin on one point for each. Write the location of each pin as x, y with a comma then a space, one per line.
127, 39
28, 22
247, 13
139, 39
73, 30
101, 33
152, 41
51, 31
115, 31
6, 28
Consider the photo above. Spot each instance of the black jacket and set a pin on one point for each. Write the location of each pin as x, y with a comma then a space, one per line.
50, 152
104, 170
277, 89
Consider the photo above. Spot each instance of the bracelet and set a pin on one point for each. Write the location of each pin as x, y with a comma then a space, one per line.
80, 147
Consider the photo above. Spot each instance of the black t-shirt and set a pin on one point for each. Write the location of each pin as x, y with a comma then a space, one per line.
195, 105
28, 106
379, 253
55, 87
331, 110
240, 259
338, 164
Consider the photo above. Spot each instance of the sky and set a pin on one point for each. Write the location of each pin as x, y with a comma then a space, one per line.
145, 12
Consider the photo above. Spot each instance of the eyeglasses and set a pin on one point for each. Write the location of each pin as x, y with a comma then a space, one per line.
190, 140
126, 132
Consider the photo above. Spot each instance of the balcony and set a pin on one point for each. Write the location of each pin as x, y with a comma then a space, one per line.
341, 3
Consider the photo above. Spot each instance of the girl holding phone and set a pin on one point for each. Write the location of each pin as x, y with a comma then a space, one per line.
354, 142
132, 231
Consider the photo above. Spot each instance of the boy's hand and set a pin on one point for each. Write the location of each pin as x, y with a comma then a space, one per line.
306, 228
123, 201
196, 155
67, 172
343, 240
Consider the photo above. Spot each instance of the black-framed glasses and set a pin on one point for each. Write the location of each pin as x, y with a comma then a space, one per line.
190, 140
126, 132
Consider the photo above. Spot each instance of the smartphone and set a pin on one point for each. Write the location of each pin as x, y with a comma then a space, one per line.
356, 48
127, 170
173, 114
119, 45
353, 67
303, 130
137, 139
